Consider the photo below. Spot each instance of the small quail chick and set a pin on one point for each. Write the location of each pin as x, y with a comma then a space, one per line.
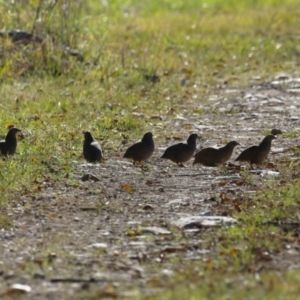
141, 151
257, 154
212, 157
92, 151
9, 145
181, 152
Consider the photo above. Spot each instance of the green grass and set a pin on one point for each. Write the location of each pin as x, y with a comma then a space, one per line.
53, 97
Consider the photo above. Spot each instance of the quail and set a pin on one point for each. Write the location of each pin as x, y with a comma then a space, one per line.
92, 151
9, 145
141, 151
275, 131
212, 157
181, 152
257, 154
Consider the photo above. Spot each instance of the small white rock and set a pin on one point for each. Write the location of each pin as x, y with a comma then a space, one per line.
23, 288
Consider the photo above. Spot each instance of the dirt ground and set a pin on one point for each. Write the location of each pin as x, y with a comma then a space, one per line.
115, 229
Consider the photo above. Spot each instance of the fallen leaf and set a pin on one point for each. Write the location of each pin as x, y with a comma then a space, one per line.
239, 182
128, 188
237, 207
149, 182
148, 207
223, 182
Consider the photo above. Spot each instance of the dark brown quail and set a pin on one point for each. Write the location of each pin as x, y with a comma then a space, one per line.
257, 154
9, 145
92, 151
212, 157
142, 150
276, 131
182, 152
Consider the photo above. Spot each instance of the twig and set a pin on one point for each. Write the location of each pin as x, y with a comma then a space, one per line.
37, 14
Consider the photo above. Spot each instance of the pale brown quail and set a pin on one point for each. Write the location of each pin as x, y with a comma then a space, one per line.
212, 157
257, 154
181, 152
141, 151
